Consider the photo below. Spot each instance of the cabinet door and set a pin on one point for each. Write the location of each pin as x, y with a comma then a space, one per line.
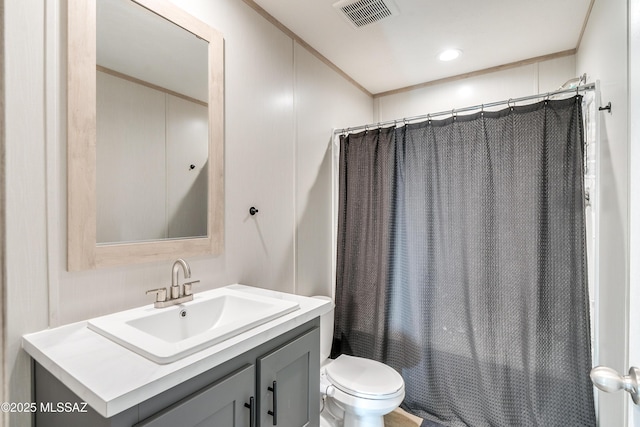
222, 404
289, 383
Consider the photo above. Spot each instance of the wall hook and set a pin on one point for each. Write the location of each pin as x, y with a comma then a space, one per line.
253, 210
606, 107
192, 167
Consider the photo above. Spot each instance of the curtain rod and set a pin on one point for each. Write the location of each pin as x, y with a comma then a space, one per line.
585, 87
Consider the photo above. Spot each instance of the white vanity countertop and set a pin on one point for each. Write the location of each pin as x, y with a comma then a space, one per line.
111, 378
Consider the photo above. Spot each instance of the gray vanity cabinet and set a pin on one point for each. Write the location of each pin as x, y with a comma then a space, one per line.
220, 396
220, 404
288, 394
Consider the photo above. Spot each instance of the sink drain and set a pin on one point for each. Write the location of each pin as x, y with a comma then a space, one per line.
183, 313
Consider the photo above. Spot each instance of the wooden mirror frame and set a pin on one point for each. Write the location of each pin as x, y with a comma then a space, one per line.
83, 252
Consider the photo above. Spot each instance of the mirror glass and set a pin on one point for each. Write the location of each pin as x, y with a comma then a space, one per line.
152, 129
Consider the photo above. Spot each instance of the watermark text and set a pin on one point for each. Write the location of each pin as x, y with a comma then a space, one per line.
80, 407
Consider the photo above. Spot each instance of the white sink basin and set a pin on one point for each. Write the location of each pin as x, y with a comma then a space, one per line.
168, 334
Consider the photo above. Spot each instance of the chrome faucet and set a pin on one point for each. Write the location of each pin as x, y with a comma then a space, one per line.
178, 294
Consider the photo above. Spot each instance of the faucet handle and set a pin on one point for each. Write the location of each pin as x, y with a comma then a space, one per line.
187, 287
175, 291
161, 294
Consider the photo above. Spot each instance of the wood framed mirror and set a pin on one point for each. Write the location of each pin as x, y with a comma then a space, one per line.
107, 195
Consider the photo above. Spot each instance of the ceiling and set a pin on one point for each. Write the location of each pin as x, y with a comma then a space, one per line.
401, 51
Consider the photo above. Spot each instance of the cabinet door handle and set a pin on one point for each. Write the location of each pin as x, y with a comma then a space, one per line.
274, 393
252, 411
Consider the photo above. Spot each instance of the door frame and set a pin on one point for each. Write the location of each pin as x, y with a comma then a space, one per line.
633, 314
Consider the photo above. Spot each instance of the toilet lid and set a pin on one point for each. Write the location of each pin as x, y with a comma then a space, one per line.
364, 377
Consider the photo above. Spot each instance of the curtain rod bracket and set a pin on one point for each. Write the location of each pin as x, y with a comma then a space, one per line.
606, 107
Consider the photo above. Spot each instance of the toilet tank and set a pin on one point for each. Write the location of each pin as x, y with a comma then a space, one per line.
326, 330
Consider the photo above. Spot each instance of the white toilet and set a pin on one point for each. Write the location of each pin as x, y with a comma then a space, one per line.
356, 392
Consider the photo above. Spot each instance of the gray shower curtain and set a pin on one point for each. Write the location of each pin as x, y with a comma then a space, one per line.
461, 262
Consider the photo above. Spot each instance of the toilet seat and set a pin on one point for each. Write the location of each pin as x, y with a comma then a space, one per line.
365, 378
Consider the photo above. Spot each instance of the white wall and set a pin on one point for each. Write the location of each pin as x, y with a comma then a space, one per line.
322, 98
259, 150
514, 82
280, 106
603, 56
262, 80
25, 245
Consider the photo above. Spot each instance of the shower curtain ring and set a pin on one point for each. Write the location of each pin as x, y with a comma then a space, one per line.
453, 113
482, 110
428, 118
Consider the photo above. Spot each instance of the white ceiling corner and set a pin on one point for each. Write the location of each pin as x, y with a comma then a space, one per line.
401, 51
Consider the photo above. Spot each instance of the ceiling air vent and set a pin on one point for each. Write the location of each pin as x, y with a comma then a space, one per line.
364, 12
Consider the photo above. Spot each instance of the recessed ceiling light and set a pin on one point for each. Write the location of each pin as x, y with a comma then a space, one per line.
449, 54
